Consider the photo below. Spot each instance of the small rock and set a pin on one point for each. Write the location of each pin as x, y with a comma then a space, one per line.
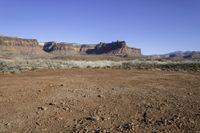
96, 117
42, 108
66, 108
93, 118
52, 103
99, 96
58, 118
37, 123
37, 113
105, 131
61, 85
7, 124
40, 90
102, 118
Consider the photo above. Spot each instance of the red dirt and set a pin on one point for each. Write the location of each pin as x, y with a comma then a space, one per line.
100, 100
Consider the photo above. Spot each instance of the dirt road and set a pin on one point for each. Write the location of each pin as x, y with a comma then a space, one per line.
100, 100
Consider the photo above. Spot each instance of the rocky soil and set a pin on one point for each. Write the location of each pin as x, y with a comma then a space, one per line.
100, 100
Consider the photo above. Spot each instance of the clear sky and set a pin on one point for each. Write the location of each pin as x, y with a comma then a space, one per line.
155, 26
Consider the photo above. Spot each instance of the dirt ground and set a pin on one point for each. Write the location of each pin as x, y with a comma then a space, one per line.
100, 100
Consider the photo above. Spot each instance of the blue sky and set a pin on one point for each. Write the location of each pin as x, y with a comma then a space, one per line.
155, 26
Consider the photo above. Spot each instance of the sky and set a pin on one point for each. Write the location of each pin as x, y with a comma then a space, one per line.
155, 26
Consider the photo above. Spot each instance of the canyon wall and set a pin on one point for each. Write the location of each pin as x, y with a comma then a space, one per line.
118, 48
31, 47
14, 47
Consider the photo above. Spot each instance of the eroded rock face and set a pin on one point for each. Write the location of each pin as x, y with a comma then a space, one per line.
13, 46
85, 48
31, 47
61, 48
118, 48
14, 41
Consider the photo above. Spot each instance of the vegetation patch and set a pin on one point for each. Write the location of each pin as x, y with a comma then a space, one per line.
18, 65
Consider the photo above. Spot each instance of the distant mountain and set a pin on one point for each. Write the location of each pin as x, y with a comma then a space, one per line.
194, 54
177, 54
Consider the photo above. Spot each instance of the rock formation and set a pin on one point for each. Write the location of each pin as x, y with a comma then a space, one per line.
118, 48
61, 48
13, 46
31, 47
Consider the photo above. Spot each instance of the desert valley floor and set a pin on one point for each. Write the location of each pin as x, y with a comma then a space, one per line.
100, 100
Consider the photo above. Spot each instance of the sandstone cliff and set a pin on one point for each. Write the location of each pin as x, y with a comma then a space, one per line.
118, 48
61, 48
14, 41
13, 46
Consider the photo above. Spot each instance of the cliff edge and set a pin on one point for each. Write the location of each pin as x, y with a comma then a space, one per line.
118, 48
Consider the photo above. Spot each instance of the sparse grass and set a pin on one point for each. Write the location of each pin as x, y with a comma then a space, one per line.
193, 66
91, 58
20, 64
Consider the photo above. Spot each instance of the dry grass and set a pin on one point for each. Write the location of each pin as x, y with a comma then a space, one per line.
21, 64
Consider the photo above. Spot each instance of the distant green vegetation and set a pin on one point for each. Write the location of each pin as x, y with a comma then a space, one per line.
18, 65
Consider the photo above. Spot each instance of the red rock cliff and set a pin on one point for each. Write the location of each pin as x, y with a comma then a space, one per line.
118, 48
